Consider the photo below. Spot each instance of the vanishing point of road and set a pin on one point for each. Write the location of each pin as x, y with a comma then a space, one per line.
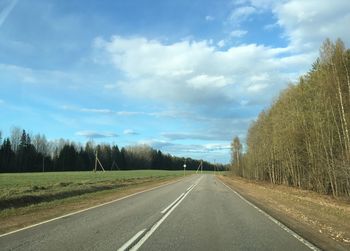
196, 213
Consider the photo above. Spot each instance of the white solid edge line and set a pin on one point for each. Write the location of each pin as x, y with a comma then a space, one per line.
129, 242
167, 208
155, 226
281, 225
86, 209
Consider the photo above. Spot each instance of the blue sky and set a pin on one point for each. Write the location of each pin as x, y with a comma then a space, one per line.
182, 76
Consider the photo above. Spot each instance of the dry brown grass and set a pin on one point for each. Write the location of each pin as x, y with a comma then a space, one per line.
313, 212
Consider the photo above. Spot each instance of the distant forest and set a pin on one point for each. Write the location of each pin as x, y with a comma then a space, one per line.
22, 152
303, 139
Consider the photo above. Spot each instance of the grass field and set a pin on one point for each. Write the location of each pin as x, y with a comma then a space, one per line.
20, 180
23, 189
28, 198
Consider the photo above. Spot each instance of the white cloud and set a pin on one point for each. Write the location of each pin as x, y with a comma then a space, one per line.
25, 75
217, 146
130, 132
219, 151
209, 18
256, 87
155, 143
212, 129
103, 111
221, 43
94, 134
238, 33
307, 23
130, 113
197, 73
185, 135
93, 110
264, 4
175, 114
215, 81
205, 81
304, 23
241, 14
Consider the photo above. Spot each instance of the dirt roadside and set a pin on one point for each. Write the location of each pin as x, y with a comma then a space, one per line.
11, 220
322, 220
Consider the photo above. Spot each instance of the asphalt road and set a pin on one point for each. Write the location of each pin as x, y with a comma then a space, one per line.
196, 213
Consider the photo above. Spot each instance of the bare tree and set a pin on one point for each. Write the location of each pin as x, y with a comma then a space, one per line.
303, 138
41, 144
16, 134
236, 148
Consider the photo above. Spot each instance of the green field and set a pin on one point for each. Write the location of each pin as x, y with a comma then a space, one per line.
23, 189
20, 180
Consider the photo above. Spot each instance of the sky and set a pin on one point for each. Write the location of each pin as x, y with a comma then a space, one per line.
182, 76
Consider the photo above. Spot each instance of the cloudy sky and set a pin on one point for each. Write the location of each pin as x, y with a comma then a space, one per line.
182, 76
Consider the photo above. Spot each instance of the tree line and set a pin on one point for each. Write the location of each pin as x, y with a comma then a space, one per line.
22, 152
303, 139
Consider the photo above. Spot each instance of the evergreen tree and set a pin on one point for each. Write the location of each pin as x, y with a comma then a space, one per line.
7, 157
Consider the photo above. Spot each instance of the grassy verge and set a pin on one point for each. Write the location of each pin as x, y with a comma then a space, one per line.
319, 218
33, 197
20, 190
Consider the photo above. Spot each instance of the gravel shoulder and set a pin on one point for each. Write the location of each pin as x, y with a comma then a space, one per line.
321, 219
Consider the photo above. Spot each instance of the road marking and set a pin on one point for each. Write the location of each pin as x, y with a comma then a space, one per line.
129, 242
93, 207
156, 225
190, 187
167, 208
199, 180
281, 225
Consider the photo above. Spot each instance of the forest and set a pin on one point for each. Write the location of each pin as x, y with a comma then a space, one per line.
22, 152
302, 139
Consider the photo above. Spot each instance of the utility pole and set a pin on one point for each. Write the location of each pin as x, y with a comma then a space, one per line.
114, 164
43, 163
95, 161
200, 167
98, 161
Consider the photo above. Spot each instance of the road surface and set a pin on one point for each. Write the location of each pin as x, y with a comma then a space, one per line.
197, 213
